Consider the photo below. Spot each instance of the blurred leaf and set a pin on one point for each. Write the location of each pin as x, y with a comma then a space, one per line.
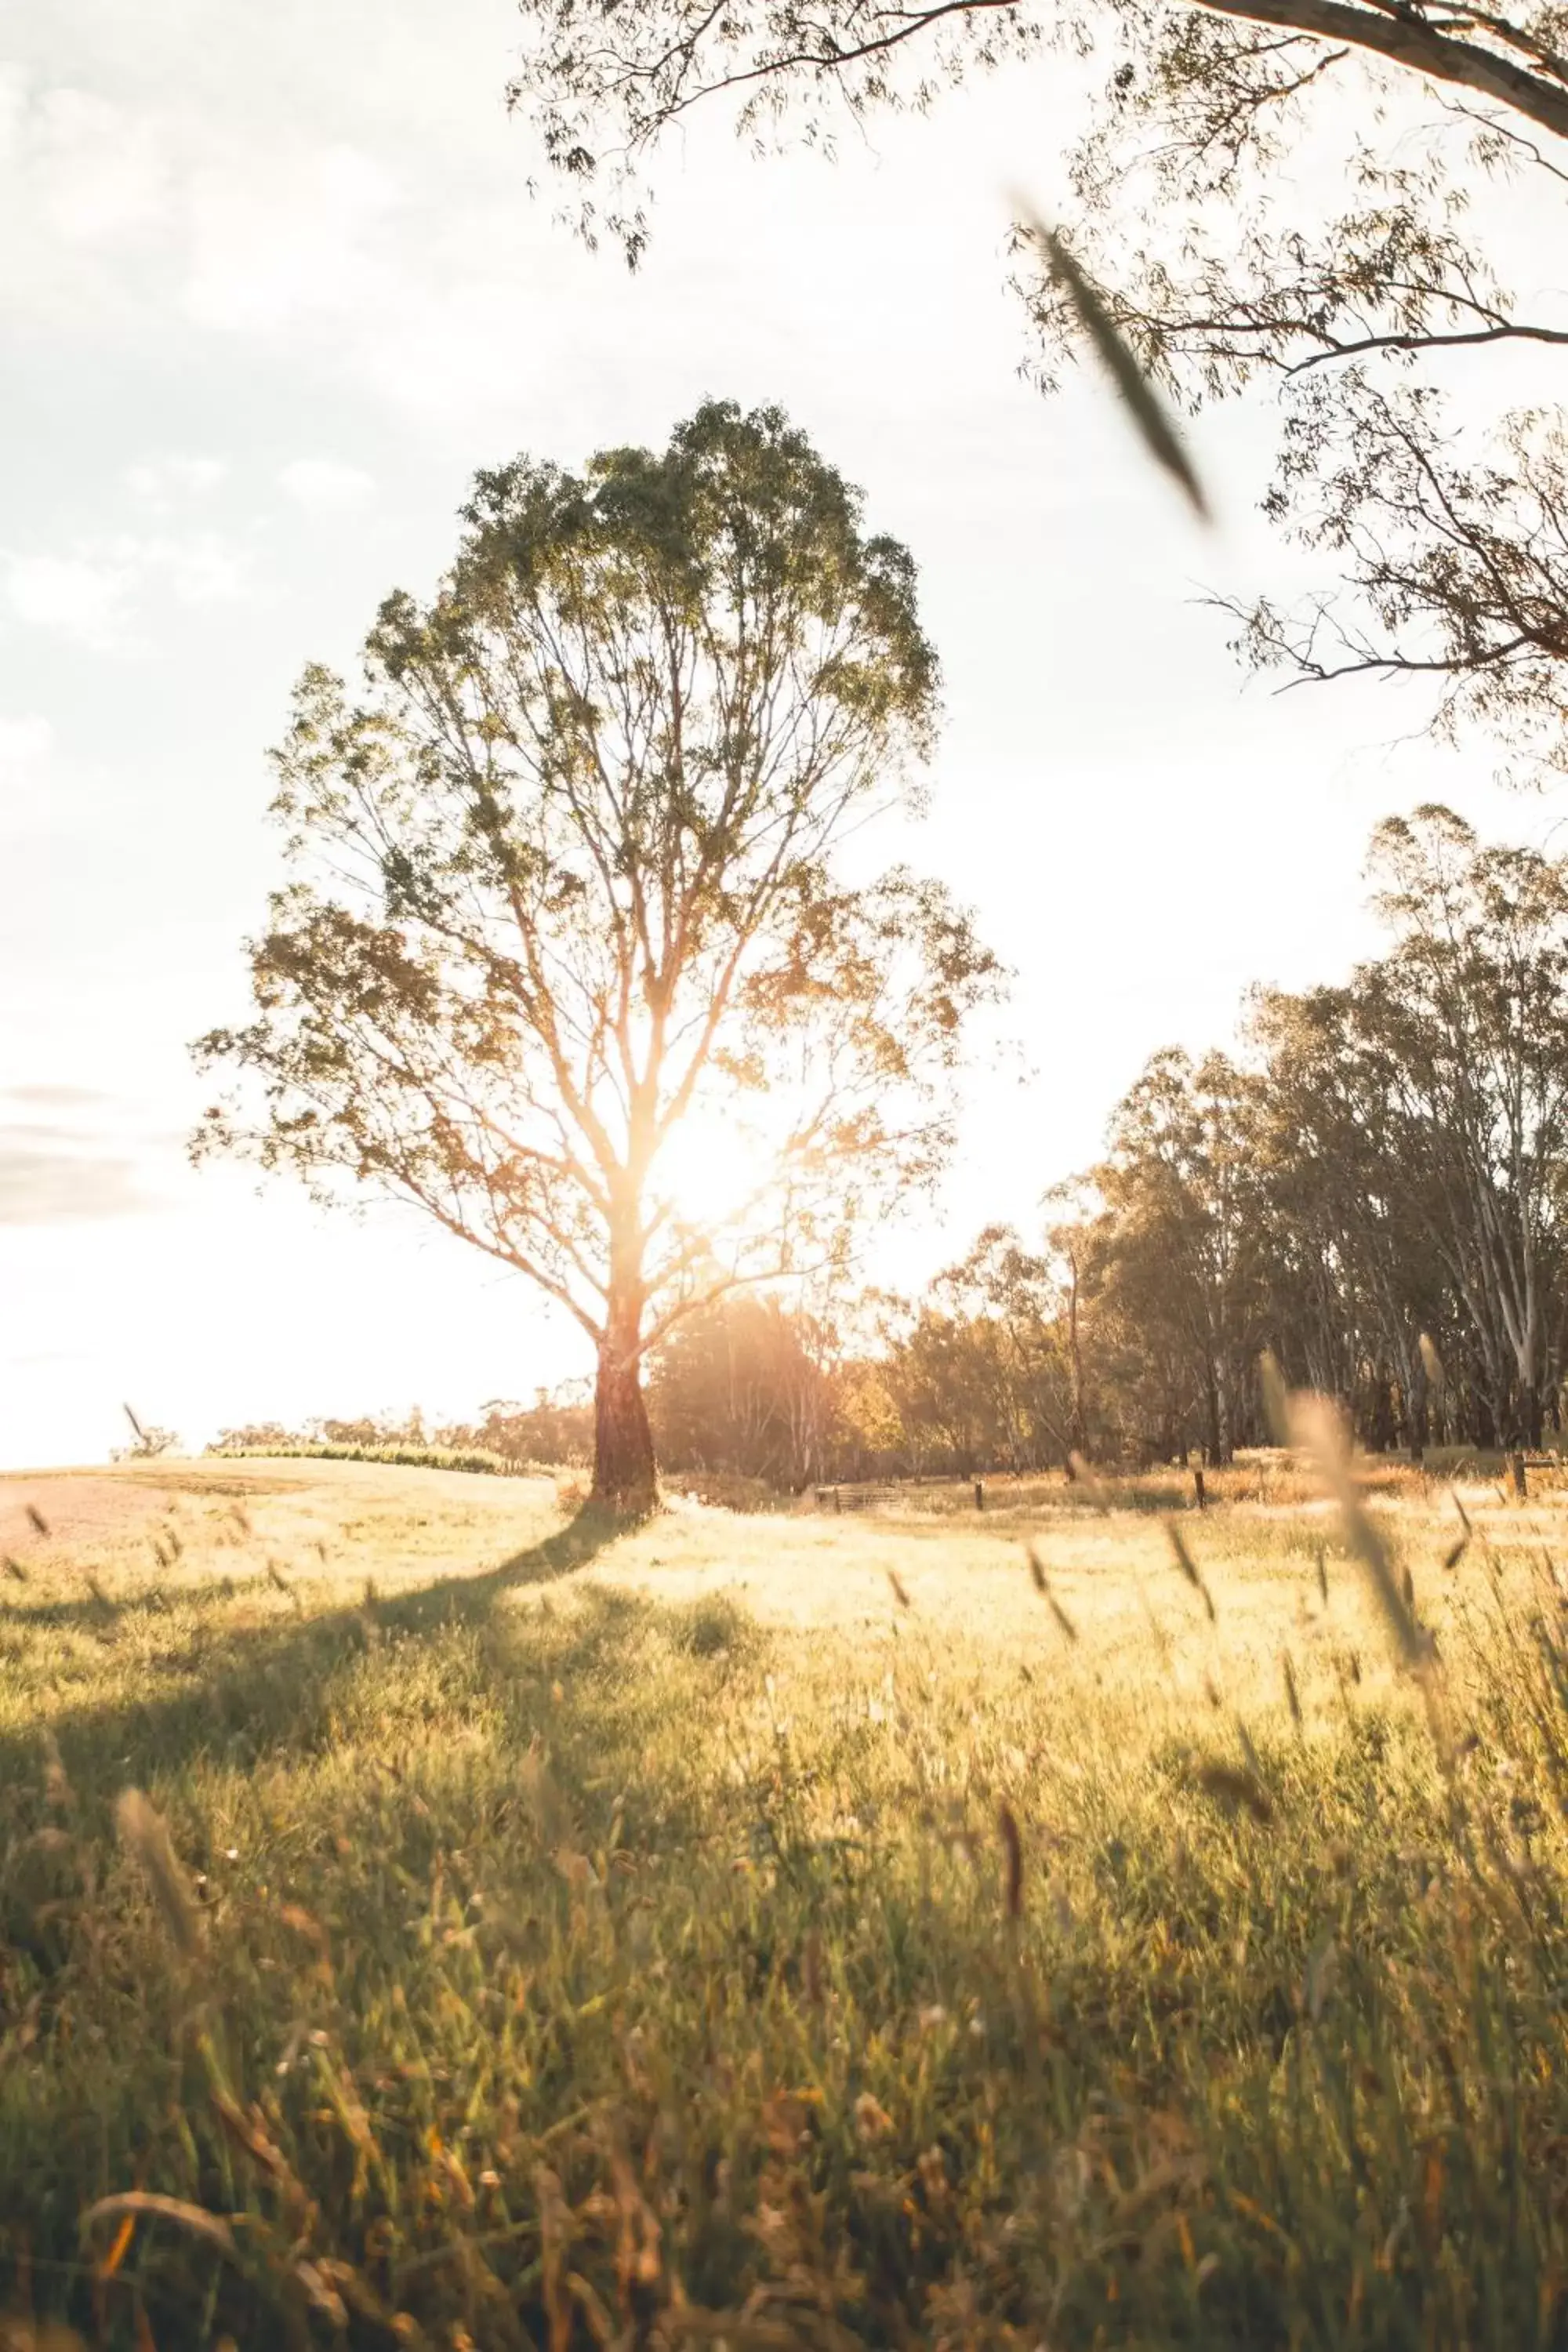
1149, 412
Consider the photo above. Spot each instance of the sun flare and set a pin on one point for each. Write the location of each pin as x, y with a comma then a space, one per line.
712, 1167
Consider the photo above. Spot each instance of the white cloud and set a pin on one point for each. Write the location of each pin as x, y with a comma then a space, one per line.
92, 172
151, 204
392, 268
161, 481
324, 485
293, 239
48, 1095
45, 1178
104, 178
26, 743
31, 781
91, 594
80, 596
201, 570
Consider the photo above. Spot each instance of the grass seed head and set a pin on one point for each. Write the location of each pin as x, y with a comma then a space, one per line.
1235, 1790
56, 1782
552, 1814
1013, 1851
1292, 1695
196, 2219
144, 1833
1319, 1429
1042, 1586
1189, 1569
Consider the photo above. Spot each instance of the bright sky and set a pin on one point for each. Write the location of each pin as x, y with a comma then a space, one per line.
271, 286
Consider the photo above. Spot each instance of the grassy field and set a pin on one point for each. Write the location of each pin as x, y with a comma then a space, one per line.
778, 1931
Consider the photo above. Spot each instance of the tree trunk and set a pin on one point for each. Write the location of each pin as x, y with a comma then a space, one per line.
624, 1475
1417, 1390
1385, 1422
1079, 1407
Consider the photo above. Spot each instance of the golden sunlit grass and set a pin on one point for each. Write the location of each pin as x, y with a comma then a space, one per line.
820, 1928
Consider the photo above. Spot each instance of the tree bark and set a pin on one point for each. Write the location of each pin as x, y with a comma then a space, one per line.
1424, 48
1080, 1406
625, 1478
1416, 1388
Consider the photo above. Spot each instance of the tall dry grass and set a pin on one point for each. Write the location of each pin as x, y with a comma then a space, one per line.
526, 1959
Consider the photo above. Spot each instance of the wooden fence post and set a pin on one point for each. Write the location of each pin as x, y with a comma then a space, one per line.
979, 1495
1198, 1495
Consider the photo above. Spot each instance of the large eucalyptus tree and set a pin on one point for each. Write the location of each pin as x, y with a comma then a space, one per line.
568, 929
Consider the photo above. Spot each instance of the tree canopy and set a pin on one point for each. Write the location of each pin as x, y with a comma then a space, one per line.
1279, 192
567, 916
1372, 1186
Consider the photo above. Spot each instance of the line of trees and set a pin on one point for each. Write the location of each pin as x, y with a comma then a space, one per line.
1375, 1186
568, 894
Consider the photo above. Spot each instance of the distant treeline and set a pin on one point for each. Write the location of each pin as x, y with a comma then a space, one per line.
1375, 1187
270, 1439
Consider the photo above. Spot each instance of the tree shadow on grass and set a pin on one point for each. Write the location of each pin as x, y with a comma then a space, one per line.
408, 1755
233, 1693
589, 1531
68, 1615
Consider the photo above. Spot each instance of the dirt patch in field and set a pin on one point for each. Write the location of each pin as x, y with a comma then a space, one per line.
76, 1507
168, 1526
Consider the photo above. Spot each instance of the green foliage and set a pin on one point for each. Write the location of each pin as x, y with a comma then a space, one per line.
1373, 1189
1257, 195
509, 1440
746, 1387
1376, 1191
565, 894
413, 1458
